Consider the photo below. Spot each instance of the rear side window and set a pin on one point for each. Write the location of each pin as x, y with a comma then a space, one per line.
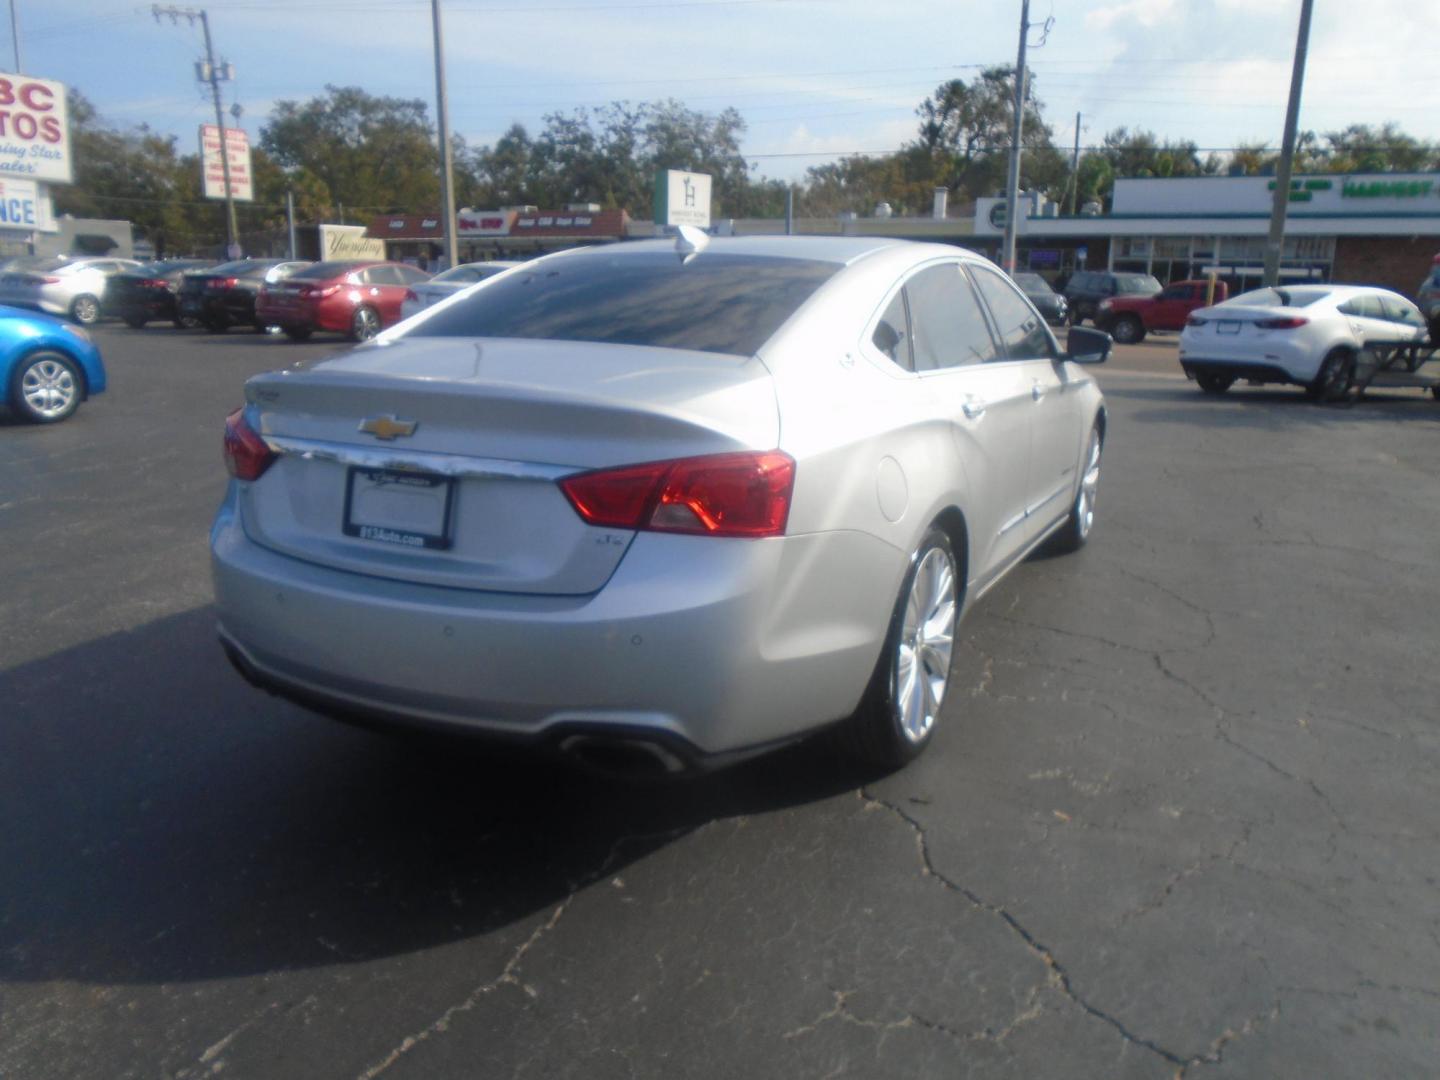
1365, 307
946, 320
892, 333
714, 302
324, 271
1022, 332
383, 275
1401, 311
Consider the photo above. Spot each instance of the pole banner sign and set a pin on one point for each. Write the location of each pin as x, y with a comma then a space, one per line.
34, 130
212, 169
682, 198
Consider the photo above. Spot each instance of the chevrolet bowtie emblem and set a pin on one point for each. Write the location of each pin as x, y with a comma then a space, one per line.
388, 427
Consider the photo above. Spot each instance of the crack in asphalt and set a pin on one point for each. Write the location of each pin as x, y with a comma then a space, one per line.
1059, 976
840, 1011
1228, 855
507, 977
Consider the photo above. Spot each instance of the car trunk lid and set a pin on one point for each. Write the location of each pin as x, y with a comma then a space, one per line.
486, 428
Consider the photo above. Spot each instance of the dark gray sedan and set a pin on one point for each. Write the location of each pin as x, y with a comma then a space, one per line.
1047, 301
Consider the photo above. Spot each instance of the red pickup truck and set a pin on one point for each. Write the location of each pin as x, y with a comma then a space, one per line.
1128, 318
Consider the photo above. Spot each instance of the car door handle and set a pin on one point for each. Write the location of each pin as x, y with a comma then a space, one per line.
973, 407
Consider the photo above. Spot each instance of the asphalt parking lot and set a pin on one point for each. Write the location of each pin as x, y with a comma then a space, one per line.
1179, 818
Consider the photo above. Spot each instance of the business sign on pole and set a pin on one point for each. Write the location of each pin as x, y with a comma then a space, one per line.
34, 129
682, 198
348, 242
25, 205
237, 149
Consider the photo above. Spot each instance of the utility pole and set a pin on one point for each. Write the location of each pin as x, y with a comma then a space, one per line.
1275, 242
447, 154
790, 210
1075, 169
290, 219
210, 73
15, 37
1017, 130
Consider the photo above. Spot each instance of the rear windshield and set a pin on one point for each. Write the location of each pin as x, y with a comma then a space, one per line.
324, 271
1032, 283
1298, 296
1136, 284
714, 303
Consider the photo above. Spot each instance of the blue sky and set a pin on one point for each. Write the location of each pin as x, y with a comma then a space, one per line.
813, 78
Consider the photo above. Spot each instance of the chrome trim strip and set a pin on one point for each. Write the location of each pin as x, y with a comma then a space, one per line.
416, 461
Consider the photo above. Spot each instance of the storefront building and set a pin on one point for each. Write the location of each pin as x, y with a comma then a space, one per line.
1374, 229
508, 233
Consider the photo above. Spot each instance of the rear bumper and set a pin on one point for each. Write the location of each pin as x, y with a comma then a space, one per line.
714, 647
1252, 372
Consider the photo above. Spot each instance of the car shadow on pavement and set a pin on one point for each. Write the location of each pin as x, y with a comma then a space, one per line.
163, 822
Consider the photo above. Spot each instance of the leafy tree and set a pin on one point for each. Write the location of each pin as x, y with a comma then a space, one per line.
966, 128
1367, 148
370, 153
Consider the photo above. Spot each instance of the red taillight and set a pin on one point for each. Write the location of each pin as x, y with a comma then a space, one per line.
155, 283
222, 283
50, 281
741, 495
246, 455
318, 292
1288, 322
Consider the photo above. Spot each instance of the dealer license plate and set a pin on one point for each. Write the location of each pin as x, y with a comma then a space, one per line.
1227, 326
394, 507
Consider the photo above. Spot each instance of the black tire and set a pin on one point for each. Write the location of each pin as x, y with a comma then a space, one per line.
1332, 381
1435, 392
1127, 330
1074, 318
186, 322
1073, 535
136, 322
49, 365
85, 310
875, 734
215, 326
299, 333
365, 323
1214, 384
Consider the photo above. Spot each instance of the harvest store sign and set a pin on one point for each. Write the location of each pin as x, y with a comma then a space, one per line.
1377, 193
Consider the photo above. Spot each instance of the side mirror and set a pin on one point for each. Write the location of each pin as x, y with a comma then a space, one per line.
1084, 346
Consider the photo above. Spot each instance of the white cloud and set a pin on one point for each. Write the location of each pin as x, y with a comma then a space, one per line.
1147, 13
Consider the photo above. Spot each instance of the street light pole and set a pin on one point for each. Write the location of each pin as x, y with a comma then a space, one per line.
1012, 183
447, 154
1275, 242
15, 37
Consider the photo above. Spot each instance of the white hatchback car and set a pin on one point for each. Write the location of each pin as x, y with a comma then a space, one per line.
664, 505
1310, 335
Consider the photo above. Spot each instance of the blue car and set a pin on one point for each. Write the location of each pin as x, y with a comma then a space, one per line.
47, 367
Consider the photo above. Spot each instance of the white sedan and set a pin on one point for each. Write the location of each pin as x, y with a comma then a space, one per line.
445, 285
1310, 335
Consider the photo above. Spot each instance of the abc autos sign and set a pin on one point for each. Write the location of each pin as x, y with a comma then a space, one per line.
34, 135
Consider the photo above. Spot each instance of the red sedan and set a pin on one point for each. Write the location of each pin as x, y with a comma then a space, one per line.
355, 298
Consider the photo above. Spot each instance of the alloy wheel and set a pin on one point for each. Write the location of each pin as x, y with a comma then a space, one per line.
49, 388
1089, 488
927, 634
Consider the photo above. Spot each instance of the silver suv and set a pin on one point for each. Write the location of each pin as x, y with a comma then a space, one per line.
61, 285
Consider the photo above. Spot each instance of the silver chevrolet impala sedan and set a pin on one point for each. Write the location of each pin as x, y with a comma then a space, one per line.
662, 505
